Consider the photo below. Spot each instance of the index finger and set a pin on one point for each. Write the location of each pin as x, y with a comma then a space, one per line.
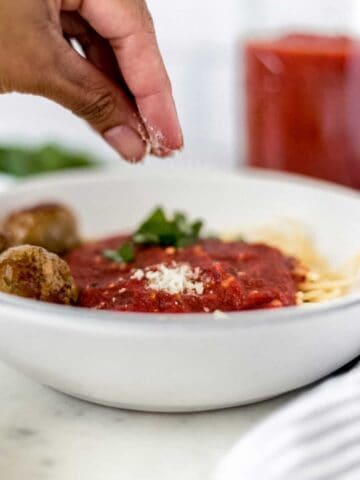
127, 25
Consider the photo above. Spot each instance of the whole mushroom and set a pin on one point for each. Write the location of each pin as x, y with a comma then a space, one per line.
51, 226
33, 272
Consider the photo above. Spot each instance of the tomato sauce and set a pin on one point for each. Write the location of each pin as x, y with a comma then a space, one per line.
303, 103
235, 276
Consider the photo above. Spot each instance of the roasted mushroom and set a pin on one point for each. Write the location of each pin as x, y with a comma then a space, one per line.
50, 226
33, 272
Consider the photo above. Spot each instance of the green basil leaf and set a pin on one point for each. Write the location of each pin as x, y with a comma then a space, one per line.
145, 238
163, 231
158, 229
196, 228
125, 254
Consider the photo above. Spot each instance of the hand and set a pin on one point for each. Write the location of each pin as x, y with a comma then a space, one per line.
121, 88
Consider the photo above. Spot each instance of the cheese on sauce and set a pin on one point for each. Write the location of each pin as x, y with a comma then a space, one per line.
174, 279
138, 274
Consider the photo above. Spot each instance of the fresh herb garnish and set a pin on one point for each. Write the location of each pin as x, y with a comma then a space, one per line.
124, 254
167, 232
158, 229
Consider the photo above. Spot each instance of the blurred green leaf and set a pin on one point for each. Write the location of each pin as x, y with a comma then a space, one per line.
26, 161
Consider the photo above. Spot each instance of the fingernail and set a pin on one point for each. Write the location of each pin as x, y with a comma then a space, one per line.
160, 117
127, 142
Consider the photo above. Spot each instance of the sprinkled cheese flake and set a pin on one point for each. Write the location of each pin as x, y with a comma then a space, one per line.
173, 279
138, 274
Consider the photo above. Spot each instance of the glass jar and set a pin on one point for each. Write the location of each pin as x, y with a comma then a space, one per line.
301, 67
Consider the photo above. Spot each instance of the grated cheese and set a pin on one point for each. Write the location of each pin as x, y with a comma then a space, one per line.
176, 278
138, 274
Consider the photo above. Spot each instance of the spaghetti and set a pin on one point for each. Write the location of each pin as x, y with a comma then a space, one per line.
322, 282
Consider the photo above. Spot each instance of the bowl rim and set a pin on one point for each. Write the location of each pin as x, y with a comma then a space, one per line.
85, 318
138, 172
70, 315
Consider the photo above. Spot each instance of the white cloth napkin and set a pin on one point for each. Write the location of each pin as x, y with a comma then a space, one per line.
316, 437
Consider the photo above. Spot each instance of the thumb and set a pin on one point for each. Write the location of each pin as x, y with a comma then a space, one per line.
79, 86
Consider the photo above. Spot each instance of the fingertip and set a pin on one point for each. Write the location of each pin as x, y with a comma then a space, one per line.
160, 117
127, 142
163, 152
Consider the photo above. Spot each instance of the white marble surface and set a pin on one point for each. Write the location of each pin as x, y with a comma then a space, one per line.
46, 435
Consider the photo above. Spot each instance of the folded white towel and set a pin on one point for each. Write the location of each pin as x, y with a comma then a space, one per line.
317, 437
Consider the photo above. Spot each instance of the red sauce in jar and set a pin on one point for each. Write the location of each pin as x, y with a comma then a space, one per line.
234, 276
303, 104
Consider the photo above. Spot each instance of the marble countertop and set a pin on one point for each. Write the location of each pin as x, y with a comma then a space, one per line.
46, 435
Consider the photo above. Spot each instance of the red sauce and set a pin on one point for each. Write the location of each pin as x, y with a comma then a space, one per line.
236, 276
303, 103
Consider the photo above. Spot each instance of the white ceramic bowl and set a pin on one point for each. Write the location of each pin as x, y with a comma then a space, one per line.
186, 362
